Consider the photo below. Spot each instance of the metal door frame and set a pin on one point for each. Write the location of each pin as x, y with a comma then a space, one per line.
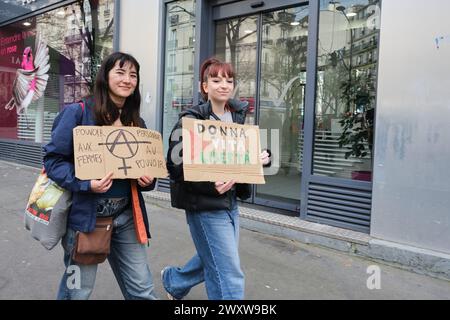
210, 11
221, 10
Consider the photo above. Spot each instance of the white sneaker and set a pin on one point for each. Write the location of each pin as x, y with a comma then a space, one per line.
169, 296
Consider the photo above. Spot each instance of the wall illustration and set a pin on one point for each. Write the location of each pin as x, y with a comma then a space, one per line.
31, 78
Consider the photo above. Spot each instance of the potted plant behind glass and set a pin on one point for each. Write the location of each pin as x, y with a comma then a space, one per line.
357, 122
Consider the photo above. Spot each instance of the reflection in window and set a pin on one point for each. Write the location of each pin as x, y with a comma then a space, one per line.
346, 81
179, 57
236, 43
76, 40
11, 9
282, 58
282, 100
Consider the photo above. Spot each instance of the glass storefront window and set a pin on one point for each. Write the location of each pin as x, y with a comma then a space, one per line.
268, 52
346, 84
11, 9
282, 98
179, 62
48, 61
236, 43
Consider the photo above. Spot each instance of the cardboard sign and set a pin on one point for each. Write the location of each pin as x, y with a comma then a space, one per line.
221, 151
129, 152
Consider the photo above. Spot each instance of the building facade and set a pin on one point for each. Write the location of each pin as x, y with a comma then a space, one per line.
351, 95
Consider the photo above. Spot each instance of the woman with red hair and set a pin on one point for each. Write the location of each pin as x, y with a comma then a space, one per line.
211, 208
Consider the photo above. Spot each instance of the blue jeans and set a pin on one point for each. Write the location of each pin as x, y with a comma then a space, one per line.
216, 238
128, 260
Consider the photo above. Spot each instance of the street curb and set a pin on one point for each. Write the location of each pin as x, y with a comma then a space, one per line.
422, 261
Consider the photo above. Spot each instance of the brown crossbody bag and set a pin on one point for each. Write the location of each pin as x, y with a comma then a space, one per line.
93, 247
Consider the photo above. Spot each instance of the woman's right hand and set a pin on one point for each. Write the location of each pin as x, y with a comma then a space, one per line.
102, 185
223, 187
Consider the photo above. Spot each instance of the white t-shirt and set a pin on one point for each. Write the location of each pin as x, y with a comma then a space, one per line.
226, 117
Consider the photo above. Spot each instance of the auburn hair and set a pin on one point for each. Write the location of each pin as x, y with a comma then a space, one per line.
213, 67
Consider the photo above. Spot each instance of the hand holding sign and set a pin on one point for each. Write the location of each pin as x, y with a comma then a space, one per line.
103, 185
145, 181
223, 187
265, 157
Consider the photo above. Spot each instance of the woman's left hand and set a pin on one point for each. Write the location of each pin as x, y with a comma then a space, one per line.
145, 181
265, 157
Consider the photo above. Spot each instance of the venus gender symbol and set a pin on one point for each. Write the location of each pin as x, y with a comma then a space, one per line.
123, 144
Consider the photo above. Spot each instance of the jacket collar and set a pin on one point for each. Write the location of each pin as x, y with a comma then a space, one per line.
203, 111
88, 102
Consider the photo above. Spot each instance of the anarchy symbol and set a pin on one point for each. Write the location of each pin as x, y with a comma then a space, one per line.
123, 144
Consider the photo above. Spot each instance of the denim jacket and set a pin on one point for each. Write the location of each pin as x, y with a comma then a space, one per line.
59, 165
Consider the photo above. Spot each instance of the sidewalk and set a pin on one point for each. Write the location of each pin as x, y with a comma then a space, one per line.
275, 268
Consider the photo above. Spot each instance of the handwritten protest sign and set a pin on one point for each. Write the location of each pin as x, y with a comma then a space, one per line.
220, 151
129, 152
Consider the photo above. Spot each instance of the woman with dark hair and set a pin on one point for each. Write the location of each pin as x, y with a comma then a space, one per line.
116, 102
211, 208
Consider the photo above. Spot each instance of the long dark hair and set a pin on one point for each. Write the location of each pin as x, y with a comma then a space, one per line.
106, 112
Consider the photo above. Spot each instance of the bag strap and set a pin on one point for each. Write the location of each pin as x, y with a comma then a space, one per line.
139, 225
82, 111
